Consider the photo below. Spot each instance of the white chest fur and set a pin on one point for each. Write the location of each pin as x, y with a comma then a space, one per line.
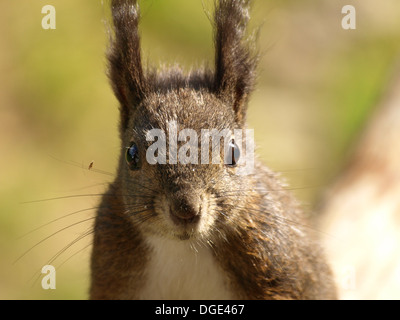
183, 270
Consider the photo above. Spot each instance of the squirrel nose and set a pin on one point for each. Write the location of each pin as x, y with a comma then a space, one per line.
185, 209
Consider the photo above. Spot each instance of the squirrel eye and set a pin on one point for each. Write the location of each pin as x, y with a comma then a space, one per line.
233, 154
132, 157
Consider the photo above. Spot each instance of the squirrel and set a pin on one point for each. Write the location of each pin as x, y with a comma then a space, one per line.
189, 230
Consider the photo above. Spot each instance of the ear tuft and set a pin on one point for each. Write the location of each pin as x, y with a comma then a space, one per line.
235, 58
125, 63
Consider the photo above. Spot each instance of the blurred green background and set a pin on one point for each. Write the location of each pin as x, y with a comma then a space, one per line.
317, 86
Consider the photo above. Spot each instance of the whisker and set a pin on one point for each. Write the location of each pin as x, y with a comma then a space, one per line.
142, 217
85, 195
77, 239
81, 166
73, 213
74, 254
65, 197
221, 212
63, 217
57, 219
52, 259
48, 237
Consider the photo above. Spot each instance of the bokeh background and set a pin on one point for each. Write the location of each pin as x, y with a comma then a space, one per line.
317, 87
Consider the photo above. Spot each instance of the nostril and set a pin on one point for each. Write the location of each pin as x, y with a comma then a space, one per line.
185, 211
185, 214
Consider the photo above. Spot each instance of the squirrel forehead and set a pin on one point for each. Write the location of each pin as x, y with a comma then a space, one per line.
195, 109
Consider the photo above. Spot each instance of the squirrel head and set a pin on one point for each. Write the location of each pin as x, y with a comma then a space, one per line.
174, 199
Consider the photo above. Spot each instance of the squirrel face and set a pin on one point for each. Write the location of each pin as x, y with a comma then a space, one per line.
179, 200
175, 199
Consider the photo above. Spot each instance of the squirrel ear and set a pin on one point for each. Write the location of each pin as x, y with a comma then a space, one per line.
235, 60
125, 65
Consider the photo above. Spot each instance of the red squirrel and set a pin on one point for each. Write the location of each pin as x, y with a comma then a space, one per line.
192, 230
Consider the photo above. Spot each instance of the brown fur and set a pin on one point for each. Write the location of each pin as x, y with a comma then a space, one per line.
259, 236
